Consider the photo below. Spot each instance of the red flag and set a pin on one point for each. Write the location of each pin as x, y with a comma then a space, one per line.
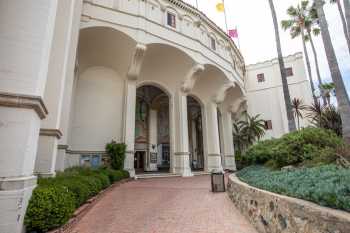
233, 33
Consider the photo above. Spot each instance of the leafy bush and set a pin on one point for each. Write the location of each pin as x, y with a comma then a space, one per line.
309, 146
55, 199
49, 207
116, 151
325, 185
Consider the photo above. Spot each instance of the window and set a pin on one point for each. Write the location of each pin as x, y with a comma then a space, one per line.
171, 20
268, 125
212, 43
289, 72
261, 78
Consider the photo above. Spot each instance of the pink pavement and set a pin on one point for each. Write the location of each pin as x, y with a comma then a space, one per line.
164, 205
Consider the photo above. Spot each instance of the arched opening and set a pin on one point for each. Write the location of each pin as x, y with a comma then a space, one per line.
152, 135
103, 59
195, 134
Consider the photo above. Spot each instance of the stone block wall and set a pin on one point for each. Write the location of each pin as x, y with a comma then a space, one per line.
273, 213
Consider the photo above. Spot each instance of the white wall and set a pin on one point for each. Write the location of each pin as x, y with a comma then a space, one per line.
98, 109
267, 99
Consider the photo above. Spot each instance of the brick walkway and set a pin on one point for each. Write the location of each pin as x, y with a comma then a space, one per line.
164, 205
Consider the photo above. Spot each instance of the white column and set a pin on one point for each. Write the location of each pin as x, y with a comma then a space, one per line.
62, 58
129, 125
181, 155
212, 138
26, 32
153, 139
227, 140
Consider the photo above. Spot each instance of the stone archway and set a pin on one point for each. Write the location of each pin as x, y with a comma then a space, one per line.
195, 134
152, 131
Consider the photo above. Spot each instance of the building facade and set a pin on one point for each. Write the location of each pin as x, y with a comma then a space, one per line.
157, 75
265, 95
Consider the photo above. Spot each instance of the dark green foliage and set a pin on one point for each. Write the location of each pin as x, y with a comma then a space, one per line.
55, 199
325, 185
116, 151
49, 207
326, 117
309, 146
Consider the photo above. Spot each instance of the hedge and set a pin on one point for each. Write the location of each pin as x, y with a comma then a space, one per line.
55, 199
326, 185
306, 147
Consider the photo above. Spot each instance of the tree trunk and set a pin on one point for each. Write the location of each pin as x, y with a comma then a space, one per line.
316, 65
308, 67
345, 29
341, 94
347, 14
286, 94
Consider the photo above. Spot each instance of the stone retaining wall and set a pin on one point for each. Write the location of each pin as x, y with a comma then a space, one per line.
273, 213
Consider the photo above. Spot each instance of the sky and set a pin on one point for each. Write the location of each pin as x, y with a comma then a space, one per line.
253, 20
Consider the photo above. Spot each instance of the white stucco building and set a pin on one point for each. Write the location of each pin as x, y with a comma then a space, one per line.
265, 96
157, 75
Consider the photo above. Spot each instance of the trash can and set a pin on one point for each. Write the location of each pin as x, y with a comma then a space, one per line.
217, 182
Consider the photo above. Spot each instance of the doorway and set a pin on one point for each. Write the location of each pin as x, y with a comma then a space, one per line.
139, 161
195, 134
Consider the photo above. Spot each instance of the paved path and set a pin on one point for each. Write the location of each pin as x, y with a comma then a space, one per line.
164, 205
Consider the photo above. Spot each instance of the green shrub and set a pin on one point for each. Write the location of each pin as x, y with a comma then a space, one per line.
325, 185
49, 207
116, 151
75, 186
309, 146
115, 175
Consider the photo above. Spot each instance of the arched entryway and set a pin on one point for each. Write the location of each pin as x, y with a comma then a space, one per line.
152, 131
195, 134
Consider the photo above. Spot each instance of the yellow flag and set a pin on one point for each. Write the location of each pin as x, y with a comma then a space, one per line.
220, 7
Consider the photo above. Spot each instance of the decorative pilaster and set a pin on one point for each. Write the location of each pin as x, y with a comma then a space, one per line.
130, 106
61, 68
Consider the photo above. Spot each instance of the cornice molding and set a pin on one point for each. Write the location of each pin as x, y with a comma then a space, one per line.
51, 133
24, 101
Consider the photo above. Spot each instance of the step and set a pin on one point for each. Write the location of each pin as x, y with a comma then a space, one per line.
155, 175
165, 175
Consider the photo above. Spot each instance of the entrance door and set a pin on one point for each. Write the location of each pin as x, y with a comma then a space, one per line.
139, 161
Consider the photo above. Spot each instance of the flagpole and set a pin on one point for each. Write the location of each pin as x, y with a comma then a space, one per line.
197, 4
223, 2
239, 44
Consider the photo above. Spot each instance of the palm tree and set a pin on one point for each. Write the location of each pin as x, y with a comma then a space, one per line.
327, 89
340, 90
297, 25
253, 128
298, 108
286, 94
342, 17
315, 31
346, 4
239, 139
331, 119
315, 112
326, 117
